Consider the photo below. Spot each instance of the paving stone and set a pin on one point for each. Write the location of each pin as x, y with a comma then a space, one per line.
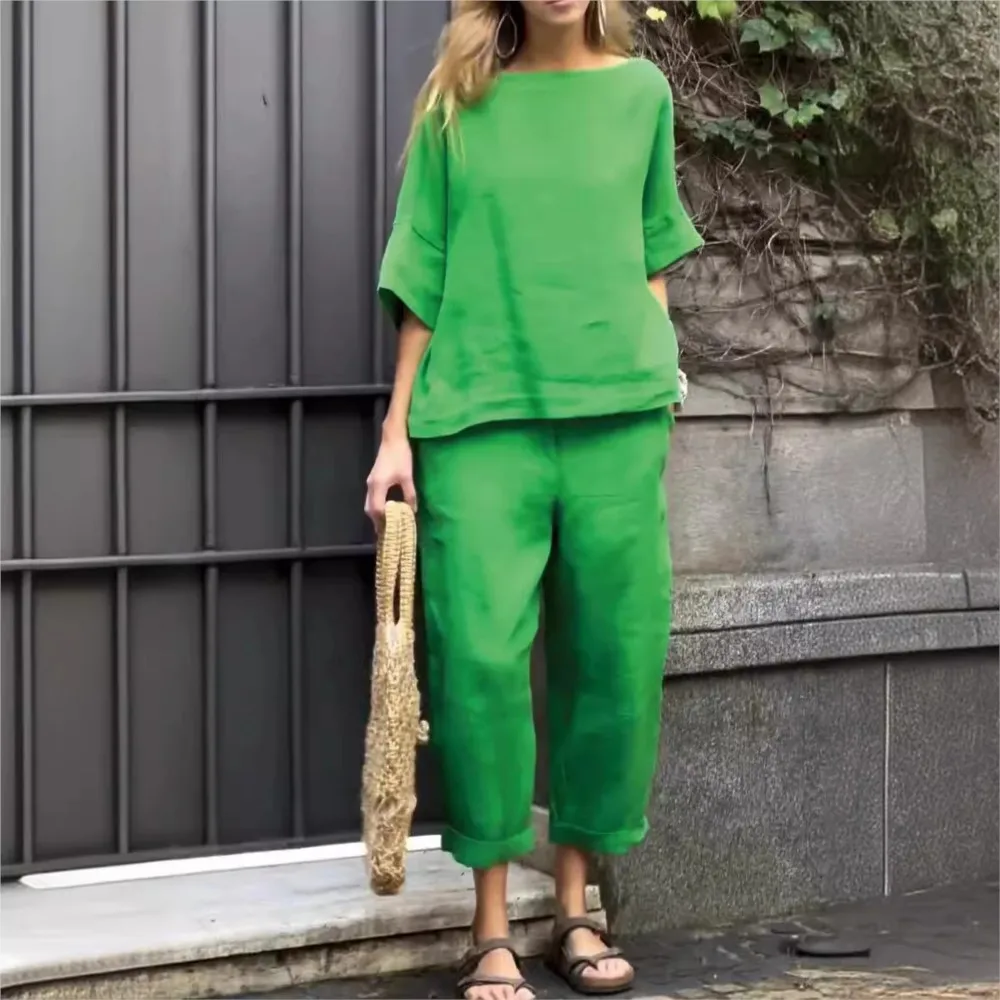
939, 945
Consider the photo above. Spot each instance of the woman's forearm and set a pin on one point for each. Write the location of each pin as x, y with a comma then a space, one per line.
658, 286
413, 340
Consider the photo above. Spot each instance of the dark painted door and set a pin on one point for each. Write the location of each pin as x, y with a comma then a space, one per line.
195, 196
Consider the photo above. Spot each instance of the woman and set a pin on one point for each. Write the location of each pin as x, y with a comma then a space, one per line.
536, 376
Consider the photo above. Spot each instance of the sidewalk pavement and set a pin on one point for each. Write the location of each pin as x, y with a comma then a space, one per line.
937, 945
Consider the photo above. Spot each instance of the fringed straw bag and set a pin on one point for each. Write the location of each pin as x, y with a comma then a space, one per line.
394, 728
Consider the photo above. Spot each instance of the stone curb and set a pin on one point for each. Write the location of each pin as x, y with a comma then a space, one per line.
730, 622
812, 642
711, 603
108, 939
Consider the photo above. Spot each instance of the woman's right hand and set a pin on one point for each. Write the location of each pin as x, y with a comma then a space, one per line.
393, 467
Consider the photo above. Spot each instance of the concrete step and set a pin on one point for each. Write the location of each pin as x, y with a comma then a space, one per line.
253, 930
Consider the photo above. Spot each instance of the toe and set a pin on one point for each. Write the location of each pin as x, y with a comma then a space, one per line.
619, 968
608, 968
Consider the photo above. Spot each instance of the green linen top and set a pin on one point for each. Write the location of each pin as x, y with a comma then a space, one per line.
524, 238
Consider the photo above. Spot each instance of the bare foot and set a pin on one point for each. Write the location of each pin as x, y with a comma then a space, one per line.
583, 943
498, 963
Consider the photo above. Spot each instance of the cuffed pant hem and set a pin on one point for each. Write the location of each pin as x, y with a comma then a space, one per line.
486, 853
616, 842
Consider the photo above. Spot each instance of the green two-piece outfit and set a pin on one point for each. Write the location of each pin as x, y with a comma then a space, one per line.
524, 239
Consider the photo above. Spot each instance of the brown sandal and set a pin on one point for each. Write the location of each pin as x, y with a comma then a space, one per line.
572, 968
471, 979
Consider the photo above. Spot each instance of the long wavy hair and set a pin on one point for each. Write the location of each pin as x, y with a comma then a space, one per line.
468, 54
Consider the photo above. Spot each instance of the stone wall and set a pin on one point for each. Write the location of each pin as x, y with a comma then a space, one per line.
782, 786
831, 696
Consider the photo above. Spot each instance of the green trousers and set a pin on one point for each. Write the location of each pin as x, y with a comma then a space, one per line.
574, 509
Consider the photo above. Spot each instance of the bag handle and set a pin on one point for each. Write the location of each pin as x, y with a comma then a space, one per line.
396, 565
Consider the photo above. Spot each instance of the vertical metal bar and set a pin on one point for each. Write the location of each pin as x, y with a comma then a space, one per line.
886, 776
119, 326
294, 28
25, 451
380, 198
295, 421
210, 465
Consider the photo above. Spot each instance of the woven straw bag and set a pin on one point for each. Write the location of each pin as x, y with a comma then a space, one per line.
395, 729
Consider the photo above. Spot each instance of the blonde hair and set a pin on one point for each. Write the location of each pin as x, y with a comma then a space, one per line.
468, 61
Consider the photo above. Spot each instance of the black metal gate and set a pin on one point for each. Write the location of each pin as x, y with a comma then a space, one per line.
195, 196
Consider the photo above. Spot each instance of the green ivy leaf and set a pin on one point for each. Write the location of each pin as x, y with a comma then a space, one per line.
737, 133
945, 221
821, 41
716, 10
884, 224
772, 100
801, 22
837, 99
775, 14
805, 114
768, 37
911, 226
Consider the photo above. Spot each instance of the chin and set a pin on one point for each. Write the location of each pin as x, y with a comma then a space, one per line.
557, 11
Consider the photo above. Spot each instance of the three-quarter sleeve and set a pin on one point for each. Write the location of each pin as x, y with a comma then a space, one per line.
668, 231
412, 274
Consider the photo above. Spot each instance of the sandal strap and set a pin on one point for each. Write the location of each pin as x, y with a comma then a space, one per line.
574, 962
481, 949
566, 925
470, 982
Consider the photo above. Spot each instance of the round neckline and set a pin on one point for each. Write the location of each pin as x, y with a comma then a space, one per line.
570, 72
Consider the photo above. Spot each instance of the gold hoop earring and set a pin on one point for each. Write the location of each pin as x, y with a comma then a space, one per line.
602, 19
501, 55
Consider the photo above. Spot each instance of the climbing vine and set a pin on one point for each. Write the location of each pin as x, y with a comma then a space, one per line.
882, 119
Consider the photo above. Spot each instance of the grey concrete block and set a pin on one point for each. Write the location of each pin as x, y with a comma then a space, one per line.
803, 388
724, 298
796, 493
707, 603
988, 626
708, 652
983, 587
768, 797
942, 765
962, 496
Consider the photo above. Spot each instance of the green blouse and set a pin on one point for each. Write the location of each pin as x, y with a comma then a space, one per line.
524, 239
